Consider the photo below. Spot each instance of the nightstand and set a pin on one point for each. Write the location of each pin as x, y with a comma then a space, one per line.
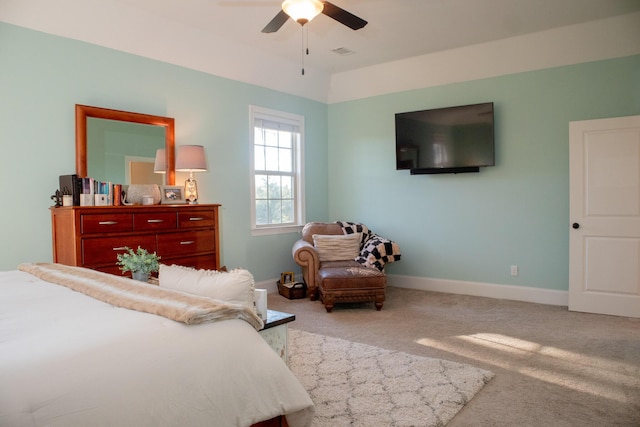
275, 331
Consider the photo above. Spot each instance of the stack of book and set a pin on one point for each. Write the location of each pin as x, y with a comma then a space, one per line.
90, 192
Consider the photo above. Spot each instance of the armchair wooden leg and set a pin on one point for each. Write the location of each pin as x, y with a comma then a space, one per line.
328, 302
379, 302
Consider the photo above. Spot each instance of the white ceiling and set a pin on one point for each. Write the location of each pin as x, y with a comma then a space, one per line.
230, 30
397, 29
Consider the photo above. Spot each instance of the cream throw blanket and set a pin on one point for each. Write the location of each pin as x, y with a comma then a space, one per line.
126, 293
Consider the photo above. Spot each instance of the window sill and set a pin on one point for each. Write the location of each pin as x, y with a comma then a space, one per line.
267, 231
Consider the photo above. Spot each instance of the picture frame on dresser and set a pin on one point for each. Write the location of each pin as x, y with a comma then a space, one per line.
173, 195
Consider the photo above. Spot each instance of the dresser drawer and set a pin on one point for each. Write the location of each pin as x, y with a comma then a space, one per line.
96, 251
154, 221
186, 243
106, 223
196, 219
205, 262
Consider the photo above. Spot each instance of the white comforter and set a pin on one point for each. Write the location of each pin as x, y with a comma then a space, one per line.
69, 360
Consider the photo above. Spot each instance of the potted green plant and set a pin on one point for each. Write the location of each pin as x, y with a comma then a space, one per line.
141, 263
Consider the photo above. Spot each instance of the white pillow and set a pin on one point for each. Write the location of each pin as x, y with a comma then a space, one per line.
336, 247
234, 287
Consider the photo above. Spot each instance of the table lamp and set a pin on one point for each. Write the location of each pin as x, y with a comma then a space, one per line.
191, 158
160, 165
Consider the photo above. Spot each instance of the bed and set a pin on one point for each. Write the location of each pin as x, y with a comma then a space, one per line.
68, 359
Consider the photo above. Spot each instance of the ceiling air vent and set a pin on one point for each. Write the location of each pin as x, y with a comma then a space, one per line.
342, 51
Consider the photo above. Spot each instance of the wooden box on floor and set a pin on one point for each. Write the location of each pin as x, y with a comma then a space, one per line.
292, 290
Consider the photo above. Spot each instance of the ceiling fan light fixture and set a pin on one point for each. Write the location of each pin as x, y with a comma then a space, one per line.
302, 11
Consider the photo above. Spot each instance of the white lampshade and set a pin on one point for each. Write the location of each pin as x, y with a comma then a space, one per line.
191, 158
160, 165
302, 11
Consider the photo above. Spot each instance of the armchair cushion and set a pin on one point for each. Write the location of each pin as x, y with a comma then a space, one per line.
332, 247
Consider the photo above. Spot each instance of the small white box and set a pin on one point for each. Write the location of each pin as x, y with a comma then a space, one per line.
102, 200
86, 200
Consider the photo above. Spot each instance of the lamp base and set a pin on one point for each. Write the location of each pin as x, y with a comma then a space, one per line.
191, 191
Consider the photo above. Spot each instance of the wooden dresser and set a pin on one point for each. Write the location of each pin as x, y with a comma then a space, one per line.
92, 236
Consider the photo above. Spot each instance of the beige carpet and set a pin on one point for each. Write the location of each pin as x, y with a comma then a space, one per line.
355, 384
552, 367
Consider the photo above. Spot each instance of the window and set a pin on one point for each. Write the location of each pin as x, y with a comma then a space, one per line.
277, 193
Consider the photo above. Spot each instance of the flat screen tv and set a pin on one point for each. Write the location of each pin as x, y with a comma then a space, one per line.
445, 140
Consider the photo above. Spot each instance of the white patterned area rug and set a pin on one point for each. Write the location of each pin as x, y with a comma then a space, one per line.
356, 384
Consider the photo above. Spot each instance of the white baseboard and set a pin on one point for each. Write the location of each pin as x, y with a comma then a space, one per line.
478, 289
489, 290
270, 285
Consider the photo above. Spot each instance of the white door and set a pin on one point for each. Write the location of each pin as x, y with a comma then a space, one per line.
604, 260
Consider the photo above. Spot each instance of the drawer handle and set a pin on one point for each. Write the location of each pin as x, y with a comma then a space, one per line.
121, 248
155, 220
108, 222
187, 242
196, 218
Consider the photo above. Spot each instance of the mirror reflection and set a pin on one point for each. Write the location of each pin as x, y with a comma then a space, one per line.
121, 147
123, 152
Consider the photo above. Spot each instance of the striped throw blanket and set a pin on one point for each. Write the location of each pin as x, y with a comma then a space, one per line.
126, 293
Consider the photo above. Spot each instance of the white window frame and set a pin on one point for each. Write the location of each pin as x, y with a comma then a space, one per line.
298, 177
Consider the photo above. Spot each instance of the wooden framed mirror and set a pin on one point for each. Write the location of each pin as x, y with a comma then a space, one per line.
85, 112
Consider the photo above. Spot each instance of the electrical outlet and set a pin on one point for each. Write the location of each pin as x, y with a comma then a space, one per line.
514, 270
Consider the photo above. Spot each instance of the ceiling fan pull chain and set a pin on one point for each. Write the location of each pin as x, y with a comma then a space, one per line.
302, 59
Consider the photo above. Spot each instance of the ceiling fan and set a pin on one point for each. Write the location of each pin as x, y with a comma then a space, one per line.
303, 11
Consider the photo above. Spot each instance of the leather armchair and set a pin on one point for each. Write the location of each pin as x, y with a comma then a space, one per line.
359, 278
305, 255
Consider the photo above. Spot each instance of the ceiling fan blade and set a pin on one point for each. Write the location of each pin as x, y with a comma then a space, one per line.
342, 16
277, 22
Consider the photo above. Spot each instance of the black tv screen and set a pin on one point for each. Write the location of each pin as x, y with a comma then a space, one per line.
445, 140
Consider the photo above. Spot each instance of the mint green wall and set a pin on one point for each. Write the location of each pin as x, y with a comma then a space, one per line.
473, 227
466, 227
42, 77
